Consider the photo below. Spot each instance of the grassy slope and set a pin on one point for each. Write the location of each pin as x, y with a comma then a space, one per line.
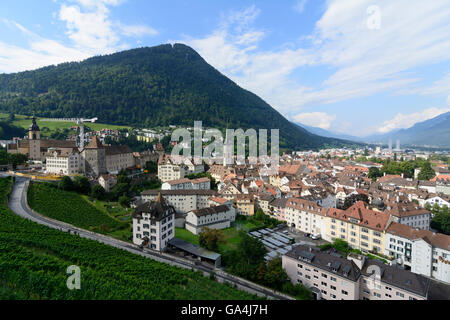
25, 121
34, 258
70, 207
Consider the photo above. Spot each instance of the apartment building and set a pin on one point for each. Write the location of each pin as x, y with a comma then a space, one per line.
277, 208
245, 204
170, 170
391, 283
187, 184
362, 228
410, 214
154, 224
306, 216
215, 217
332, 276
182, 200
421, 251
64, 162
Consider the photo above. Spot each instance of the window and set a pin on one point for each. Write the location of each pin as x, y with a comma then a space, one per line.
399, 294
324, 284
344, 292
377, 295
333, 287
324, 275
333, 279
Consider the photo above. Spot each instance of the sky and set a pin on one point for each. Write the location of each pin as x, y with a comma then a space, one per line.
349, 66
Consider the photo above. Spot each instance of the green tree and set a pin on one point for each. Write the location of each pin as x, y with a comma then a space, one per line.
16, 159
120, 189
374, 173
210, 238
98, 192
151, 166
66, 184
124, 201
426, 172
82, 185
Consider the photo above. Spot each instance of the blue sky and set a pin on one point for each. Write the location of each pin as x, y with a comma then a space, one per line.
352, 66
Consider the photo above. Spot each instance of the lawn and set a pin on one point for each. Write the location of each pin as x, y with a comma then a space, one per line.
25, 121
231, 238
72, 208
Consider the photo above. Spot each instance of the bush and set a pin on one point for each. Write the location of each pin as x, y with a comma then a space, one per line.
98, 192
82, 185
66, 184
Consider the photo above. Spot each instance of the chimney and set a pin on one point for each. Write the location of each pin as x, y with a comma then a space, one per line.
384, 174
402, 175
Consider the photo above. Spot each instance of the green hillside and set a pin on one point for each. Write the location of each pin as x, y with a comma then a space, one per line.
146, 87
34, 259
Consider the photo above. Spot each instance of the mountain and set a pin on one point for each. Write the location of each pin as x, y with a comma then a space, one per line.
430, 133
329, 134
145, 87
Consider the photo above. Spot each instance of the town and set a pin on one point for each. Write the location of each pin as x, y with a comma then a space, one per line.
330, 216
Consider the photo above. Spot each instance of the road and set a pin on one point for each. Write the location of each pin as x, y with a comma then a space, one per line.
18, 204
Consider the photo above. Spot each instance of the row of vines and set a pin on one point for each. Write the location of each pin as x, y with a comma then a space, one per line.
34, 260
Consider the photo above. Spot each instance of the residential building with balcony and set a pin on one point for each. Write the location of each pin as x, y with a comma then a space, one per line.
362, 228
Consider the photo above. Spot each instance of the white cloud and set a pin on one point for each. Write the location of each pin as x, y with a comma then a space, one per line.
137, 30
89, 27
408, 120
300, 6
315, 119
363, 61
448, 100
41, 52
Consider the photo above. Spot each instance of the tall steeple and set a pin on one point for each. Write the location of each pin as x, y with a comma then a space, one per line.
33, 130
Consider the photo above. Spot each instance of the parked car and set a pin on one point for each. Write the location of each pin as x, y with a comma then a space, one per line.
308, 235
315, 236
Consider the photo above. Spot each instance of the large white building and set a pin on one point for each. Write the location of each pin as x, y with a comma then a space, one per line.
215, 217
423, 252
154, 224
64, 162
169, 170
187, 184
410, 214
182, 200
306, 216
334, 277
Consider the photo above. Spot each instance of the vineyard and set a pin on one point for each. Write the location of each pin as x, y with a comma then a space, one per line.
34, 259
72, 208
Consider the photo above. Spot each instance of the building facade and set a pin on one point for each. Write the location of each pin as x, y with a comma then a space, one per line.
154, 224
214, 217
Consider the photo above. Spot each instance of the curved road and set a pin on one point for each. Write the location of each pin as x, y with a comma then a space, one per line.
18, 204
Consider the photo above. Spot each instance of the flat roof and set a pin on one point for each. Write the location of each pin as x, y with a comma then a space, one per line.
193, 249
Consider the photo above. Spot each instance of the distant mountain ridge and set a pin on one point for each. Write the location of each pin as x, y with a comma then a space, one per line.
434, 132
145, 87
329, 134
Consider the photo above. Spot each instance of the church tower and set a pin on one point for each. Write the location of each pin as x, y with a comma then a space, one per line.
34, 141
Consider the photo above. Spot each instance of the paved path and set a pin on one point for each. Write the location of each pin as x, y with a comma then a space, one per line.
18, 204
